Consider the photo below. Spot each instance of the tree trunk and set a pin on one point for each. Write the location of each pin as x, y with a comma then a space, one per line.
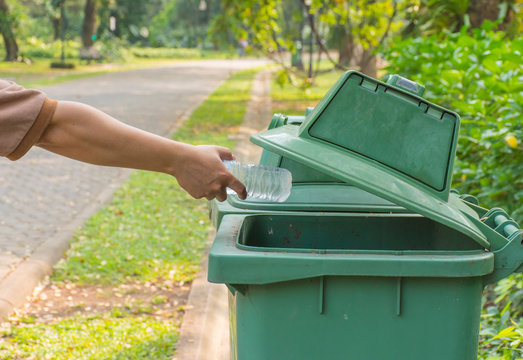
346, 46
11, 46
481, 10
89, 24
368, 63
56, 28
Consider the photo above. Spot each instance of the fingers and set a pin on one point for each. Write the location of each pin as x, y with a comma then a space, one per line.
233, 183
205, 176
238, 187
222, 195
224, 153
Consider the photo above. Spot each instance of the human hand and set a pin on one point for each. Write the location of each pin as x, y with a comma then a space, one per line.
202, 173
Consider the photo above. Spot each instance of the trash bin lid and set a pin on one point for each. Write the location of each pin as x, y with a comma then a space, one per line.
384, 139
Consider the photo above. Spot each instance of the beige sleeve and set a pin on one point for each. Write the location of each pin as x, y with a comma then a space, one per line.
24, 115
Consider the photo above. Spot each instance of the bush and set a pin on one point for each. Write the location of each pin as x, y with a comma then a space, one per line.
478, 74
113, 48
152, 53
500, 336
34, 47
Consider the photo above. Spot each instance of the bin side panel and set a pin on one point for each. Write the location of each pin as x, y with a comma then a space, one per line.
366, 318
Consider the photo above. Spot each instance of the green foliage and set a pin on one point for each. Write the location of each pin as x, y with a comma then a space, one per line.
434, 16
367, 21
162, 29
134, 18
174, 53
477, 73
510, 290
34, 47
500, 336
109, 336
112, 48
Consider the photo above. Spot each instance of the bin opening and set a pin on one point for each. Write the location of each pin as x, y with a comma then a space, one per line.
346, 233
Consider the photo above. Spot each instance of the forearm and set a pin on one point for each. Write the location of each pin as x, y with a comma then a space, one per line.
84, 133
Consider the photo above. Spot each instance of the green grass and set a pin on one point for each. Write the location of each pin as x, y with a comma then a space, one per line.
39, 72
151, 231
92, 338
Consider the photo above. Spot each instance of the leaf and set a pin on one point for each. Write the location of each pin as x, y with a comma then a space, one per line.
491, 64
508, 332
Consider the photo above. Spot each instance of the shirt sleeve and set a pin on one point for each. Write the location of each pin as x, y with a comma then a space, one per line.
24, 116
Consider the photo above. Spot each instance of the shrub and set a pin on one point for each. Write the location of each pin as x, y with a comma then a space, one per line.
34, 47
478, 74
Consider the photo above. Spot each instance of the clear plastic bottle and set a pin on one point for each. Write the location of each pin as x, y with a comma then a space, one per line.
262, 182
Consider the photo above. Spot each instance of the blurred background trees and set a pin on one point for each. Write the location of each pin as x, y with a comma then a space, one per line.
347, 33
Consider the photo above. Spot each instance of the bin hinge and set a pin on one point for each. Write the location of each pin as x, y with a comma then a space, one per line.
508, 258
503, 224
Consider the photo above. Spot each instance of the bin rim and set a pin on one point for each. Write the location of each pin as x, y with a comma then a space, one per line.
264, 267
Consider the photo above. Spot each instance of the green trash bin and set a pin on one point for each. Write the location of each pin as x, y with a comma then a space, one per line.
372, 256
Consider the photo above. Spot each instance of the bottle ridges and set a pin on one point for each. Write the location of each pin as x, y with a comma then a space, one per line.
262, 182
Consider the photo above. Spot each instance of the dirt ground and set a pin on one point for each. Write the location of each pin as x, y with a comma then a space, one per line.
52, 302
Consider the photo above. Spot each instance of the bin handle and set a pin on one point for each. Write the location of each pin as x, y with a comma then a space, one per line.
504, 235
406, 84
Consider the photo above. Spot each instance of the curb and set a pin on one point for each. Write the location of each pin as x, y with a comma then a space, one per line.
205, 333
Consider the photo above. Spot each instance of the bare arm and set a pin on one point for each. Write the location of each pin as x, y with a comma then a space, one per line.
84, 133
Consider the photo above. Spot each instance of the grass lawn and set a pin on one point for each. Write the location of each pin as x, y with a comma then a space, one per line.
120, 291
39, 73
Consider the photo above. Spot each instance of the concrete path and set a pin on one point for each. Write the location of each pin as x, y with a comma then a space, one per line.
44, 198
204, 334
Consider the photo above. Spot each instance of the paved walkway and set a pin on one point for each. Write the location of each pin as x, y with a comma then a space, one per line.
45, 197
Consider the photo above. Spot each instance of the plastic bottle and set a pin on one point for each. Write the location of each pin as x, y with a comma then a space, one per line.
262, 182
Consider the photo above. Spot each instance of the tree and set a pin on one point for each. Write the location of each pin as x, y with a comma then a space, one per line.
481, 10
89, 23
7, 22
135, 18
360, 27
435, 16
